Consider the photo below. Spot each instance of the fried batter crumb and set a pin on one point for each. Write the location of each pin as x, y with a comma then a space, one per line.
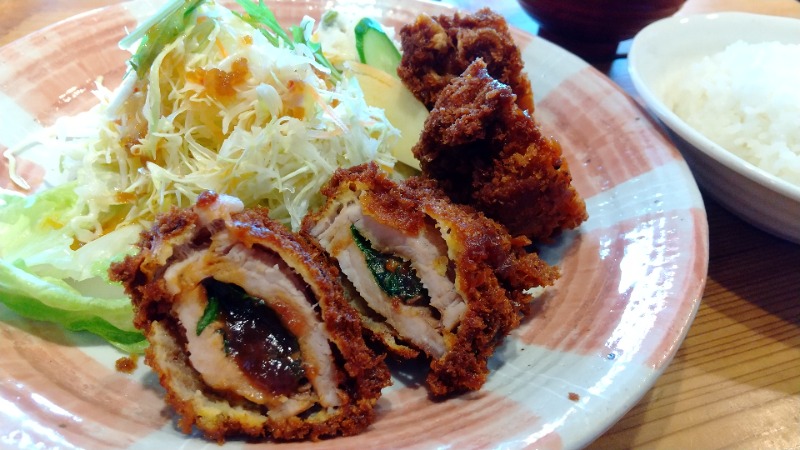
127, 364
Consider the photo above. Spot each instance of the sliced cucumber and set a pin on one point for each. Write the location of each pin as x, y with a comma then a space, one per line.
375, 48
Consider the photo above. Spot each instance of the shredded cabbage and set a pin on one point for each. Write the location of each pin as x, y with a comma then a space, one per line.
221, 108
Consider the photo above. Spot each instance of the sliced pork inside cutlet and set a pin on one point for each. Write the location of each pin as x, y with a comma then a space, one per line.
248, 328
430, 276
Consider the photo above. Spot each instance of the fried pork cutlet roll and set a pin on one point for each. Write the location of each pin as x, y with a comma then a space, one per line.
249, 331
438, 49
487, 152
430, 276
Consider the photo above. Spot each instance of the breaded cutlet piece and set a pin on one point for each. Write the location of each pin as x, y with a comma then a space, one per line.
438, 49
487, 152
249, 331
428, 275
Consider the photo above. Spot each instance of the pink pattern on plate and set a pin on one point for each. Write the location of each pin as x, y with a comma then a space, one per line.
49, 83
59, 386
613, 131
460, 422
616, 294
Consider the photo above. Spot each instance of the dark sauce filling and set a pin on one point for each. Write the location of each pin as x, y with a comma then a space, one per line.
267, 353
394, 275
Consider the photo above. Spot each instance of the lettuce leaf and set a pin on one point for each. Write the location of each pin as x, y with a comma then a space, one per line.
43, 278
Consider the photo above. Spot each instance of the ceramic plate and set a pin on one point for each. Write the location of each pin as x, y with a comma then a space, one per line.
633, 274
659, 54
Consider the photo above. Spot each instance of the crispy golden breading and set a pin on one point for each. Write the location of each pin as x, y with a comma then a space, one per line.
488, 268
487, 152
438, 49
186, 236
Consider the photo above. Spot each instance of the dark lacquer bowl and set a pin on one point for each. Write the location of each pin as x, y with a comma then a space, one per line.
594, 28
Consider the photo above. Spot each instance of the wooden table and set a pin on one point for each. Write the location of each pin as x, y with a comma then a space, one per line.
735, 382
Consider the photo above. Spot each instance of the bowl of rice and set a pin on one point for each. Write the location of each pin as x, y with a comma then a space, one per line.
727, 88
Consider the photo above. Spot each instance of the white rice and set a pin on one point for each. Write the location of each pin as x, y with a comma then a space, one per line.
746, 98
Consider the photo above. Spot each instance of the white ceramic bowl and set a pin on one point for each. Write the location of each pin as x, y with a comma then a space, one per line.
663, 47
